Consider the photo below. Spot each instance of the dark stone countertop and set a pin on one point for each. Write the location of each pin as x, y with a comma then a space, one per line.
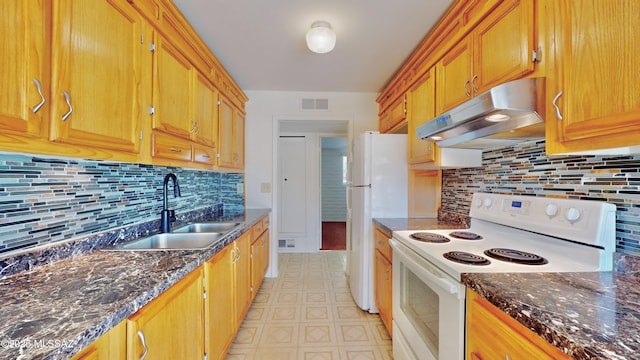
53, 311
588, 315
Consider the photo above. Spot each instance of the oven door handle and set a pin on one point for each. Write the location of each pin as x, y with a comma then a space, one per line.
422, 267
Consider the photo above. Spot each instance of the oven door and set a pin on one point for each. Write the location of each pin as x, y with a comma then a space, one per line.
428, 309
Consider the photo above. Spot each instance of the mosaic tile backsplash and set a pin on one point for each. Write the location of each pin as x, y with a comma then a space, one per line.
525, 169
47, 200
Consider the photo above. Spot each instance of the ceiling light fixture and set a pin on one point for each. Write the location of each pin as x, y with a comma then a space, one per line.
321, 38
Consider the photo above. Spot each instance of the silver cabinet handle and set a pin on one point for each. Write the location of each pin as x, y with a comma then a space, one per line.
473, 83
42, 99
466, 89
68, 100
555, 105
175, 150
144, 343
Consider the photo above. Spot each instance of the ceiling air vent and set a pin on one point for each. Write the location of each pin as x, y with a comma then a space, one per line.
315, 104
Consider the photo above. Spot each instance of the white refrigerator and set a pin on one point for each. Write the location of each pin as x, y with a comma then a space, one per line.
377, 188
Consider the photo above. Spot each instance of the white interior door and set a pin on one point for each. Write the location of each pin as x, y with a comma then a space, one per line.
292, 204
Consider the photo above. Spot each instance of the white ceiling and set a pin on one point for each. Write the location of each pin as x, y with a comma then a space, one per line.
261, 43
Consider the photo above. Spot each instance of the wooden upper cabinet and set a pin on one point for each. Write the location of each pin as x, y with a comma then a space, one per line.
206, 112
231, 135
595, 76
421, 104
96, 73
394, 116
497, 50
454, 72
172, 90
503, 44
25, 77
238, 142
225, 143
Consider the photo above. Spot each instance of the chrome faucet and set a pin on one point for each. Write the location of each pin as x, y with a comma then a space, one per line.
168, 216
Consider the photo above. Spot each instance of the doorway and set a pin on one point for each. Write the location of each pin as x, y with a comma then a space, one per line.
305, 235
334, 188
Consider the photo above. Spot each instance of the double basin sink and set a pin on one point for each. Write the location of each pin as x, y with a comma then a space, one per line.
196, 236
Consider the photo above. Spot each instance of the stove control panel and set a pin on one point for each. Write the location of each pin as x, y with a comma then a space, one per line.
585, 221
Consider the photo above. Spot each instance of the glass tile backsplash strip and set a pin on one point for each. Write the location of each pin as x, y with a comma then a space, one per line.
525, 169
45, 200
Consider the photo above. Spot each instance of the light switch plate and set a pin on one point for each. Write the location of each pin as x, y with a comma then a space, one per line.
265, 187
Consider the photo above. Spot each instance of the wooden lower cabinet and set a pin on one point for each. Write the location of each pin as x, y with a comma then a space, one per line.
382, 276
492, 334
242, 275
111, 345
172, 325
259, 254
219, 317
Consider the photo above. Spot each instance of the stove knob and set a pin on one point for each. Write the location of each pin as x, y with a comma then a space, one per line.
552, 210
478, 203
573, 214
487, 202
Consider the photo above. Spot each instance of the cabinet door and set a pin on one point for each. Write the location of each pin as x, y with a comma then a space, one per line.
382, 278
257, 272
238, 142
219, 315
172, 87
242, 277
492, 334
266, 251
111, 345
421, 104
23, 25
453, 85
97, 69
503, 43
397, 112
225, 134
596, 68
171, 324
206, 112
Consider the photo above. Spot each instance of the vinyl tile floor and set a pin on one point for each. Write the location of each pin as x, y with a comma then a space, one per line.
307, 313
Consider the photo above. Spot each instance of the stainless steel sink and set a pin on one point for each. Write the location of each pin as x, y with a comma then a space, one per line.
171, 241
207, 227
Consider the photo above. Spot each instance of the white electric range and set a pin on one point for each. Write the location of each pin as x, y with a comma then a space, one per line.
508, 233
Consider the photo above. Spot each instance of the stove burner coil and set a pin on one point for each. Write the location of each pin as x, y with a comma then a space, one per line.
516, 256
466, 258
466, 235
429, 237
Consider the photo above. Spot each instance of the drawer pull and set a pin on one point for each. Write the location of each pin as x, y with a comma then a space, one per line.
175, 150
555, 105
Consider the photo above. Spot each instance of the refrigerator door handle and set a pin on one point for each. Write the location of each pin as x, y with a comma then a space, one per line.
361, 186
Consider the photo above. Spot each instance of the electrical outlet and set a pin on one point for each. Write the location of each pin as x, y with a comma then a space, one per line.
239, 188
265, 187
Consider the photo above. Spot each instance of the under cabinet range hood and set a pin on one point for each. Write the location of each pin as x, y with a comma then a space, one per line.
504, 115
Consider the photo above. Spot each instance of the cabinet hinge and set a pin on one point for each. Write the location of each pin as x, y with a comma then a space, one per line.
152, 110
152, 47
218, 102
205, 356
140, 134
536, 55
217, 155
141, 39
204, 294
251, 289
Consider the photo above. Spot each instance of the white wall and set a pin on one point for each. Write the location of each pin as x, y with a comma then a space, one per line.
264, 108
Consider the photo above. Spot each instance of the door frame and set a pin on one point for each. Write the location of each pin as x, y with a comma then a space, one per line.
312, 119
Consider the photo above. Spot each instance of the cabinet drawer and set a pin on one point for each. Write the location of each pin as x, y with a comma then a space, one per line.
204, 154
169, 147
381, 240
259, 227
